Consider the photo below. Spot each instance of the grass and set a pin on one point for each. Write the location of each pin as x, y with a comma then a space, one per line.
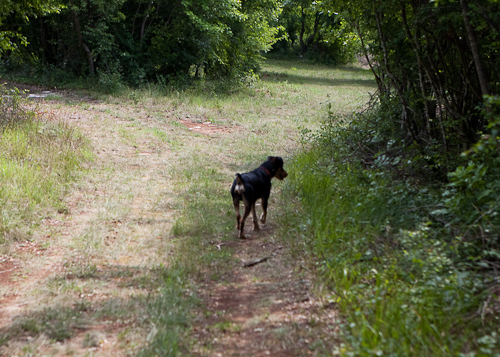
40, 159
273, 108
386, 266
173, 203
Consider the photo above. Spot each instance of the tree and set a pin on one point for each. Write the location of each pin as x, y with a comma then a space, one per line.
146, 40
434, 62
319, 30
20, 10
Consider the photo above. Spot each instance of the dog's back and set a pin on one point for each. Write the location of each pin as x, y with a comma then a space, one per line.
251, 186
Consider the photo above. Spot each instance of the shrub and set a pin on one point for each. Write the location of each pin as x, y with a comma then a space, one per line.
382, 247
473, 196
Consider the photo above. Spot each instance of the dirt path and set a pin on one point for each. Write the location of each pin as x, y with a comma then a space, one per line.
78, 286
268, 309
90, 260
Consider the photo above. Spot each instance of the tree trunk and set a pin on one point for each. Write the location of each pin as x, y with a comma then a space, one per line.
380, 85
83, 46
303, 46
481, 73
143, 25
311, 38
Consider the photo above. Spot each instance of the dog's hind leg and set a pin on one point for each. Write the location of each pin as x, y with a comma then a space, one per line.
236, 203
248, 208
255, 219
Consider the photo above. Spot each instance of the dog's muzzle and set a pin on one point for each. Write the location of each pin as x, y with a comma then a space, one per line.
281, 174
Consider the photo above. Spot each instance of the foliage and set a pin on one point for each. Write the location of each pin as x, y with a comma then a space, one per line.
317, 32
39, 160
22, 10
433, 62
386, 256
473, 197
140, 41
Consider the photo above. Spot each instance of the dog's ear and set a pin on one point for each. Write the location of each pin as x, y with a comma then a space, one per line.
276, 160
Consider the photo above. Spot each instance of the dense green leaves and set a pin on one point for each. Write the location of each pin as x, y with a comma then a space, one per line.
20, 10
473, 196
435, 59
139, 40
317, 31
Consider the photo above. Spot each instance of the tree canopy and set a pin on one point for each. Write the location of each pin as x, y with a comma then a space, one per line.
146, 40
435, 62
12, 11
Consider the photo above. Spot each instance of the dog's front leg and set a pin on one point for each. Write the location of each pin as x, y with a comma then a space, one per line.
263, 217
255, 219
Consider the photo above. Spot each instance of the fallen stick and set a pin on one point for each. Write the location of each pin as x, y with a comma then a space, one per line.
255, 262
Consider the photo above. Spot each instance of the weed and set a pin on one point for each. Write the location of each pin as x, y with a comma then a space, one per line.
225, 326
39, 160
169, 313
90, 340
57, 323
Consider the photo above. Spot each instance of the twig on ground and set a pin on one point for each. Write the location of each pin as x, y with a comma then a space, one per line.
255, 262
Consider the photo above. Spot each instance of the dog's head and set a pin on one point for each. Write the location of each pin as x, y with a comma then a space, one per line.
277, 162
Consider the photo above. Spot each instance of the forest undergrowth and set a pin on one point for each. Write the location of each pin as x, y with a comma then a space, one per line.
410, 260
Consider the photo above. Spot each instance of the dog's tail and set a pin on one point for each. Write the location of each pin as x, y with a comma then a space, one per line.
240, 187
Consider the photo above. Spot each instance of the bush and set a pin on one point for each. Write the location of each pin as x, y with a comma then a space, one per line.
383, 249
473, 196
11, 111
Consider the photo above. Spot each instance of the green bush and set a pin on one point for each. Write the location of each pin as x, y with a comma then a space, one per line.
473, 196
383, 249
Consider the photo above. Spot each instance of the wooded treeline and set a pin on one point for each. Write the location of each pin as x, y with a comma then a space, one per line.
437, 60
143, 40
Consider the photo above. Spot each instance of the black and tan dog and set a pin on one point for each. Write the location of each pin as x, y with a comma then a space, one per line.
251, 186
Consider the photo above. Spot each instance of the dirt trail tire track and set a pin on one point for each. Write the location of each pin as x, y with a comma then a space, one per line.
268, 309
116, 227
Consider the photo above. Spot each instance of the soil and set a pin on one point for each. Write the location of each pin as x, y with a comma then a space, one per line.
127, 206
267, 309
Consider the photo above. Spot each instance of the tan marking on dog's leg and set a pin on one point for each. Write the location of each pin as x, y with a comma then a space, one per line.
255, 219
263, 217
238, 216
248, 208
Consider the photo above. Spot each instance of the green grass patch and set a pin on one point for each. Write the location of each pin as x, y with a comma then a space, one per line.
391, 268
204, 222
39, 160
170, 315
57, 323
